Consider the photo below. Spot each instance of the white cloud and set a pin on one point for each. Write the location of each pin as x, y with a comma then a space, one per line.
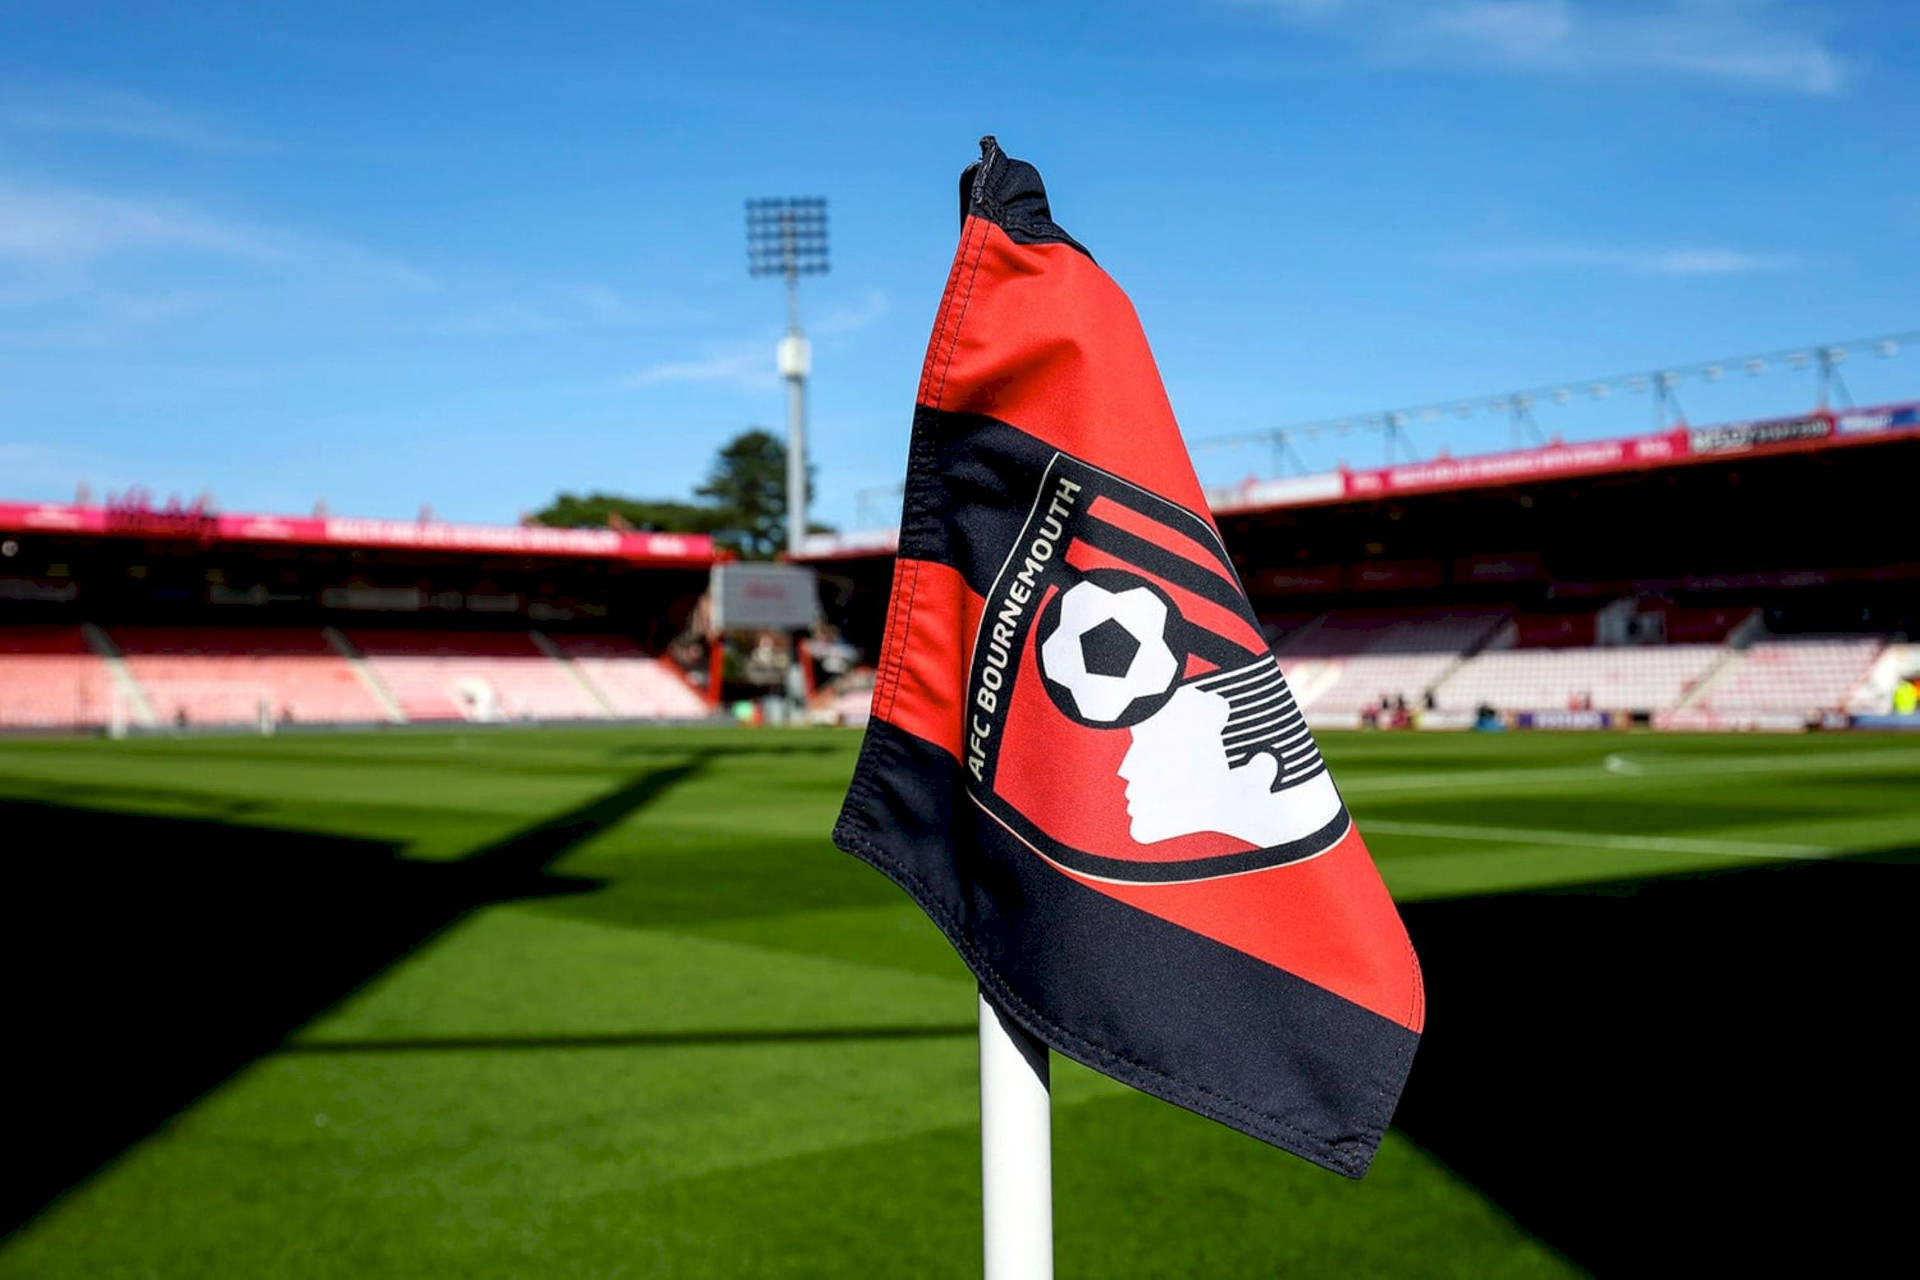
61, 226
868, 310
1675, 261
1751, 42
746, 366
88, 110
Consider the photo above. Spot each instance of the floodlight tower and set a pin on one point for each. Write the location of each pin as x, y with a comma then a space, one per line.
788, 237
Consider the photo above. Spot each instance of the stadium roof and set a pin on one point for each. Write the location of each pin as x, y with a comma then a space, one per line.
1682, 445
198, 524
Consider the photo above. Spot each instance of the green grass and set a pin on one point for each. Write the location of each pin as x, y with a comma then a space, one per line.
734, 1051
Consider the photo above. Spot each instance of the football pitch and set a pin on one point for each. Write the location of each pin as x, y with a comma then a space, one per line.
606, 1002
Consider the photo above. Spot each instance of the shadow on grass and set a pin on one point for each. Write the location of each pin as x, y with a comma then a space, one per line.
749, 744
633, 1039
150, 958
1709, 1072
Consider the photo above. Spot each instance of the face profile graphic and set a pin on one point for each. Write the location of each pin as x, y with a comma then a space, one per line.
1227, 753
1180, 780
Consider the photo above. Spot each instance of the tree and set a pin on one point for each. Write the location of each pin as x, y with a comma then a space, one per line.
747, 486
743, 502
611, 511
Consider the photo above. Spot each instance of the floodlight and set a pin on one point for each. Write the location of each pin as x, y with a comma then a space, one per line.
787, 237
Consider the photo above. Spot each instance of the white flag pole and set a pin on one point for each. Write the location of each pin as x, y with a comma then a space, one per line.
1016, 1150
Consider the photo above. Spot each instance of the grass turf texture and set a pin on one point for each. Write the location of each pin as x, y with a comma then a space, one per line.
681, 1035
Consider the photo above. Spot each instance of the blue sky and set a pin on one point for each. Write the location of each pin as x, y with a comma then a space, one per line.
469, 255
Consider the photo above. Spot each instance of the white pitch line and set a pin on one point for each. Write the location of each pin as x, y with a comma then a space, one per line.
1596, 840
1648, 768
1659, 762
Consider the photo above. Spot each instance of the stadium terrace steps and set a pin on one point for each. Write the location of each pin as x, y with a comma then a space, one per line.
552, 650
473, 676
377, 690
1875, 692
1364, 656
127, 693
630, 681
237, 675
50, 677
1614, 678
1698, 690
1793, 676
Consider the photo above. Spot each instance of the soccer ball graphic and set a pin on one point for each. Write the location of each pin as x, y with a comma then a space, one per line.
1104, 650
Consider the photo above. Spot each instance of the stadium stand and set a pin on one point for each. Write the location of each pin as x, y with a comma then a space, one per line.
1796, 675
1346, 662
221, 675
631, 682
1752, 587
50, 678
438, 675
1612, 678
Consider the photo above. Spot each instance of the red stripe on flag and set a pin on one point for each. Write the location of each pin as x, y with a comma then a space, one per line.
1039, 337
1197, 609
922, 675
1145, 527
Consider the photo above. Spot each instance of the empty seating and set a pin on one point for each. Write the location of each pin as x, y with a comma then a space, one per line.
474, 676
228, 675
1795, 676
1643, 678
629, 680
1369, 655
49, 679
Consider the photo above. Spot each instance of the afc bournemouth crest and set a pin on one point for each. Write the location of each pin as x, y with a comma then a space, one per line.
1125, 717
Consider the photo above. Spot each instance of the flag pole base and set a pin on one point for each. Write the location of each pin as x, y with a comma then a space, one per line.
1016, 1150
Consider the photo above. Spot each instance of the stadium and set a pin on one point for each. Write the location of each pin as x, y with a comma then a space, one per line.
1463, 592
869, 777
424, 777
1743, 576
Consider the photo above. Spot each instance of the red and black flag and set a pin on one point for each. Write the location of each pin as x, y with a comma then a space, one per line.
1084, 762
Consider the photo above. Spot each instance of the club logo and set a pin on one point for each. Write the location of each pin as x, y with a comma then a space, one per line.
1126, 718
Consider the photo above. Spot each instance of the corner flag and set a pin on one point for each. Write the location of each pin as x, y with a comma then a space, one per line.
1084, 763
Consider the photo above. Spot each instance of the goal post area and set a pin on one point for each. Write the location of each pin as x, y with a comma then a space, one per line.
196, 706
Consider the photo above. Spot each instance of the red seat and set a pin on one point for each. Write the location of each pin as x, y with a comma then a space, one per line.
49, 678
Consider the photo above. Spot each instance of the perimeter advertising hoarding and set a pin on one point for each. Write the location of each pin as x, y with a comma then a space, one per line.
208, 527
1519, 464
1322, 579
1393, 575
1866, 421
1565, 720
1737, 437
